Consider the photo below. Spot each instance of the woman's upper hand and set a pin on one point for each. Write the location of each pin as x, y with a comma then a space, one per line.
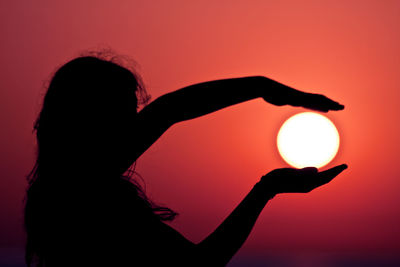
285, 95
289, 180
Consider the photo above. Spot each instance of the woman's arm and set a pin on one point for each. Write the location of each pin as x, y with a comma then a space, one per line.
200, 99
220, 246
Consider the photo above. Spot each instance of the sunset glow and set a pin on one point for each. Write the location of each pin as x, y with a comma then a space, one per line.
202, 168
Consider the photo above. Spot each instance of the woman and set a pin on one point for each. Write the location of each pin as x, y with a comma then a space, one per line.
84, 209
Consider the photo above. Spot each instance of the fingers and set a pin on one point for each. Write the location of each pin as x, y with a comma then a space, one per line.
329, 104
327, 176
322, 103
318, 102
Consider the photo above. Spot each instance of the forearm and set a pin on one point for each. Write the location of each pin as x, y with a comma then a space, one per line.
200, 99
220, 246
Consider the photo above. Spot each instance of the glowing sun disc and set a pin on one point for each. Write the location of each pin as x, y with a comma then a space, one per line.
308, 139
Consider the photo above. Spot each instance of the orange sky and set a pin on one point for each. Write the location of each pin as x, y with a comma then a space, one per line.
347, 50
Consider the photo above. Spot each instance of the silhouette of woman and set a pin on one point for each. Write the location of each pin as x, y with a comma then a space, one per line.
84, 209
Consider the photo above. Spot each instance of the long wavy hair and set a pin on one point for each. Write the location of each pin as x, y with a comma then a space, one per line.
83, 132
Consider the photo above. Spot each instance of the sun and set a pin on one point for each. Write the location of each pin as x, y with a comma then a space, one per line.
308, 139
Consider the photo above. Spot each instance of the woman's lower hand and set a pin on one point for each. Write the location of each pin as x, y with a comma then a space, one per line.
289, 180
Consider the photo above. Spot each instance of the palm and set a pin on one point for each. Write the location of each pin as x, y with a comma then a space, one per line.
288, 180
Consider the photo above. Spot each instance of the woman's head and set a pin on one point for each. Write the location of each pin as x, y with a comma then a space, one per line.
88, 115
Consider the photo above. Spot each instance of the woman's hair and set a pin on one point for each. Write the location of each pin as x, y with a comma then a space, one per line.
83, 132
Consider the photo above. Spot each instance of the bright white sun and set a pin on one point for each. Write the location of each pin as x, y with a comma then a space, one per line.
308, 139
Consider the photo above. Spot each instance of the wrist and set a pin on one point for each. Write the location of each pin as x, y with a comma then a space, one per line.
267, 191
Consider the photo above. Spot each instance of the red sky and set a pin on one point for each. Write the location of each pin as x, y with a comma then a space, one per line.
347, 50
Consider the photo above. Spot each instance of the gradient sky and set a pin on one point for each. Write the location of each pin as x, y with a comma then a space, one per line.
347, 50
